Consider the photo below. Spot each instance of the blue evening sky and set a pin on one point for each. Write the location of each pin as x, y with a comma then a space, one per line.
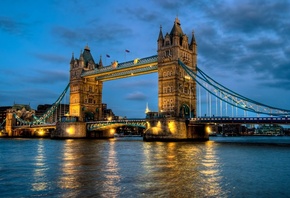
244, 45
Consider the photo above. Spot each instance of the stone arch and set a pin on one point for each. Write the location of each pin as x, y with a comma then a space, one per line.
184, 111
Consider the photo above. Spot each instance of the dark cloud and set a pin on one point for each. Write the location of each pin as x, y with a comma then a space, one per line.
178, 6
139, 96
52, 58
29, 95
12, 26
279, 83
47, 77
248, 16
36, 77
247, 38
139, 83
112, 33
147, 15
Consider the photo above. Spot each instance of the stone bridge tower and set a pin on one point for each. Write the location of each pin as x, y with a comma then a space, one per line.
176, 91
85, 93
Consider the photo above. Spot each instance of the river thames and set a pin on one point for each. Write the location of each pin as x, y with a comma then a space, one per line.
129, 167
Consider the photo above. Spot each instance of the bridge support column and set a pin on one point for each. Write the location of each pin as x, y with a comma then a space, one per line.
10, 122
174, 129
69, 129
102, 134
197, 131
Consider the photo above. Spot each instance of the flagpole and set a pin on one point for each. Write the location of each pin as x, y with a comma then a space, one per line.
126, 51
107, 56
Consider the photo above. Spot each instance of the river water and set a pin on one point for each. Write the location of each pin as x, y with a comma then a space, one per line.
129, 167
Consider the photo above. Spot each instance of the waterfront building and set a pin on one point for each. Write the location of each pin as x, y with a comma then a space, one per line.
3, 111
108, 114
270, 129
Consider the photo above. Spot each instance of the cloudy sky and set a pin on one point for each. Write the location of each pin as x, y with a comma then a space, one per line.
244, 45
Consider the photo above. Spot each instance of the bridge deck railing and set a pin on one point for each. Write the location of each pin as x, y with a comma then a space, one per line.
282, 120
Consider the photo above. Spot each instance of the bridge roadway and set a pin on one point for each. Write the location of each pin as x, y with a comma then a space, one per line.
243, 120
102, 125
42, 126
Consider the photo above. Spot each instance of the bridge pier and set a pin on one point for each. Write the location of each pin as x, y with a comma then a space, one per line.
174, 129
69, 127
10, 122
102, 134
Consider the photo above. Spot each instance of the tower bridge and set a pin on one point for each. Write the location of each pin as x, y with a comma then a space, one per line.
179, 114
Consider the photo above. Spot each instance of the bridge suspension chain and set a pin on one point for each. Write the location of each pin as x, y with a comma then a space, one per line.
3, 122
47, 114
231, 97
52, 109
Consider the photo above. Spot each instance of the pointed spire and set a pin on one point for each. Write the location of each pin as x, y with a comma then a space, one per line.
147, 108
81, 55
192, 39
100, 62
160, 37
192, 44
72, 59
176, 29
87, 48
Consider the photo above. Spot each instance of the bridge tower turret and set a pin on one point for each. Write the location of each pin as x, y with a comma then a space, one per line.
85, 93
176, 91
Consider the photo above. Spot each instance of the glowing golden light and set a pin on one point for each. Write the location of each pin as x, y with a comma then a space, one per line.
70, 130
148, 124
112, 131
172, 127
109, 118
136, 60
159, 124
208, 129
156, 130
41, 132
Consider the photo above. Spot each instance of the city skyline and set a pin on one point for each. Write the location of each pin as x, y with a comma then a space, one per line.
242, 45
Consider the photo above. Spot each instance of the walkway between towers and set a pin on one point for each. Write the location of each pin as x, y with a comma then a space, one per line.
135, 67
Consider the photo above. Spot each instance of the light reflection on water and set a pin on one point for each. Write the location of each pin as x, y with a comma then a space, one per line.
40, 179
133, 168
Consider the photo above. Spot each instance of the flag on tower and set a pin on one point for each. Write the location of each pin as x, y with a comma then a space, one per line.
127, 51
108, 56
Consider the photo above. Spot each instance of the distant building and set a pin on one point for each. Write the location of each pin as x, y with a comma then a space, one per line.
108, 114
3, 111
270, 129
23, 111
18, 107
61, 111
